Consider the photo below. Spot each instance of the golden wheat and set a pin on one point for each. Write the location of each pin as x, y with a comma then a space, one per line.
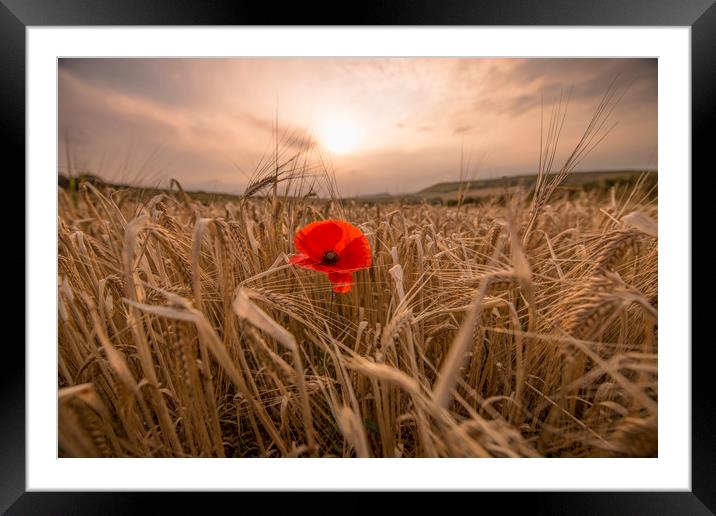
523, 329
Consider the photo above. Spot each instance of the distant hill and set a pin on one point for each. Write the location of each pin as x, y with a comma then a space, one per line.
374, 197
527, 180
439, 192
199, 195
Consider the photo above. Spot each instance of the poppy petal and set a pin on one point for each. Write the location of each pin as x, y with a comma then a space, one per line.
310, 264
317, 238
298, 259
350, 233
356, 255
342, 289
307, 263
342, 281
347, 241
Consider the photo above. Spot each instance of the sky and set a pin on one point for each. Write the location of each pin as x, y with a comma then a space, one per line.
380, 125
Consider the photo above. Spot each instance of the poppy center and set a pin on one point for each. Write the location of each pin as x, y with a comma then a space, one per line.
330, 257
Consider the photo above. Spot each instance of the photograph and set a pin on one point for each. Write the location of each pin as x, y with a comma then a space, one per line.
357, 257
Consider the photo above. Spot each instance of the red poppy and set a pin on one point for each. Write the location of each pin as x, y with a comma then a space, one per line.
335, 248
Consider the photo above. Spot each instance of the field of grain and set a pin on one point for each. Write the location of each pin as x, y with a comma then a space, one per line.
524, 328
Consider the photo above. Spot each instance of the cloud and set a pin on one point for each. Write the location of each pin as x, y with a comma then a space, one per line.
291, 136
410, 116
519, 86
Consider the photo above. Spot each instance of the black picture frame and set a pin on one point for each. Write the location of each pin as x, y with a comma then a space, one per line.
700, 15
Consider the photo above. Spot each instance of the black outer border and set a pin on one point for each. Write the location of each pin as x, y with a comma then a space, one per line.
15, 15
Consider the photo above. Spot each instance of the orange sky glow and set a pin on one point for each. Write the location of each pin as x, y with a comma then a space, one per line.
392, 125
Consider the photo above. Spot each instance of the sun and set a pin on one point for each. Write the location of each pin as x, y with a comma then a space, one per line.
338, 135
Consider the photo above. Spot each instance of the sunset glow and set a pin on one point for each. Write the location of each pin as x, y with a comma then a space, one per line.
391, 125
338, 135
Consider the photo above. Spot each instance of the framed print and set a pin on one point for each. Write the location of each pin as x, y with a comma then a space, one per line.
416, 251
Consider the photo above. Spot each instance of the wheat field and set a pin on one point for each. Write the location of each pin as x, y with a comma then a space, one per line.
521, 326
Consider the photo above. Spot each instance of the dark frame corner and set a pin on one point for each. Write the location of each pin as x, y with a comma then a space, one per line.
700, 15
